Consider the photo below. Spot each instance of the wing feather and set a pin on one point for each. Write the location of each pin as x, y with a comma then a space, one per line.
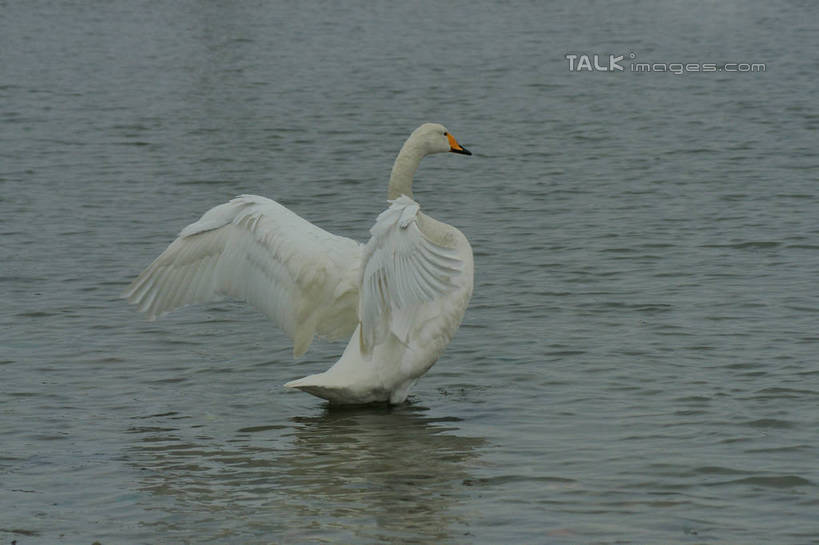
254, 249
401, 269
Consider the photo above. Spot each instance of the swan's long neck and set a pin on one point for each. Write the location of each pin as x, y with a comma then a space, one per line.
403, 170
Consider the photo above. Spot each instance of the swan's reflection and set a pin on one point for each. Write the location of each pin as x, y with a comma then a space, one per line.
365, 475
398, 474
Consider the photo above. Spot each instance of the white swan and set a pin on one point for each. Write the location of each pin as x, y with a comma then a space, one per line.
402, 295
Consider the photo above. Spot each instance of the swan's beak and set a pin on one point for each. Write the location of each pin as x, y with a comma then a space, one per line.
455, 147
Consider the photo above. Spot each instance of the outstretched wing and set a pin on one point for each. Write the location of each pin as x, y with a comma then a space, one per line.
252, 248
402, 269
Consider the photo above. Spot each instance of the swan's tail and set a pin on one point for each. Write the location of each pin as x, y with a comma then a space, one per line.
323, 386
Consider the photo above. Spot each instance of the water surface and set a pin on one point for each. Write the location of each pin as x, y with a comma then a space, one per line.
638, 364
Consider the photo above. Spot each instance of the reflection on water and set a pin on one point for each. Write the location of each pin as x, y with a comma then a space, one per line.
372, 474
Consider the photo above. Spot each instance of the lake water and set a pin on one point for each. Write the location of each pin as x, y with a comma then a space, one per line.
639, 360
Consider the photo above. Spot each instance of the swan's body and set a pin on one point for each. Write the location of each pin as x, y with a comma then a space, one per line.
401, 296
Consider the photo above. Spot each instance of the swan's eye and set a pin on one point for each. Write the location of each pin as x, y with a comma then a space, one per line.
445, 133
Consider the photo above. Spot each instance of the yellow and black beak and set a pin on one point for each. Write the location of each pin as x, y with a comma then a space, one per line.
455, 147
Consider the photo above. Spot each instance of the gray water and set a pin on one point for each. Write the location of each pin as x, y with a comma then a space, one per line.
639, 360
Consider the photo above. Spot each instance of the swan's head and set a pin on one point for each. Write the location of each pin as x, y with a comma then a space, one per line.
435, 138
426, 139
